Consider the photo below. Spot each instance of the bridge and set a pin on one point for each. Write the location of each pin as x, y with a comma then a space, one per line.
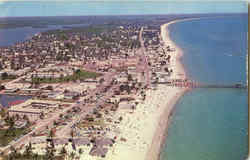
192, 84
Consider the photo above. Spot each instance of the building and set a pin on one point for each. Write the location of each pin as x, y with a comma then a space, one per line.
20, 124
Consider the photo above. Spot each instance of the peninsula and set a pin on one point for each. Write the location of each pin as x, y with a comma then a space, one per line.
97, 92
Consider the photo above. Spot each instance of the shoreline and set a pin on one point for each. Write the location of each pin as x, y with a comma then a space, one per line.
145, 143
161, 132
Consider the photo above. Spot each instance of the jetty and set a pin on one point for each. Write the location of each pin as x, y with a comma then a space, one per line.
194, 84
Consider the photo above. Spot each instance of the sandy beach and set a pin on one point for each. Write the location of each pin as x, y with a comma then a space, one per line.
160, 133
146, 128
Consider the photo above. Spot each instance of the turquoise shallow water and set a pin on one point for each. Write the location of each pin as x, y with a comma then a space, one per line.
211, 124
208, 125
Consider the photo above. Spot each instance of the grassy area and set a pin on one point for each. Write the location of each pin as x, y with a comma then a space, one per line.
87, 30
7, 77
78, 75
5, 138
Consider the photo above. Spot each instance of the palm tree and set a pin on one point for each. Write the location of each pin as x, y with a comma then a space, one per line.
72, 155
3, 112
50, 153
28, 150
80, 151
61, 76
143, 73
51, 134
17, 117
116, 104
72, 133
42, 115
130, 78
63, 151
25, 117
101, 80
10, 131
13, 151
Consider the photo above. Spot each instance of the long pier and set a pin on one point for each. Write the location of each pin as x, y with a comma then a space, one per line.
203, 85
236, 86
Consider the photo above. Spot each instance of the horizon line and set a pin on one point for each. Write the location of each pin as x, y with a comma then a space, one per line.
141, 1
171, 14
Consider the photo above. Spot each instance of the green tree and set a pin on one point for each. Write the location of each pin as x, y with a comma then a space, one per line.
101, 80
63, 151
28, 150
50, 153
3, 112
130, 78
72, 155
4, 75
80, 151
13, 151
42, 115
72, 133
61, 115
51, 134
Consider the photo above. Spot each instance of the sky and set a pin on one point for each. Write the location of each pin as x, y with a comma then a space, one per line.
131, 0
17, 8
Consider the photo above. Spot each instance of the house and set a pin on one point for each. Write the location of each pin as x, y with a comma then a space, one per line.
131, 68
55, 95
81, 141
30, 90
60, 141
20, 124
2, 123
122, 79
98, 151
39, 140
40, 105
1, 73
125, 105
104, 142
10, 90
70, 95
114, 99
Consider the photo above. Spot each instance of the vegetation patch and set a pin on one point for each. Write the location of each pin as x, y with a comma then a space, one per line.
8, 135
78, 75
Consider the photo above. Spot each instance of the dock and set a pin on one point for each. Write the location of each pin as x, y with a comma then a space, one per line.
203, 85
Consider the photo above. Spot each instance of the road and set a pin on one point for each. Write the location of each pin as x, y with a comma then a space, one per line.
142, 52
40, 126
87, 108
47, 122
108, 78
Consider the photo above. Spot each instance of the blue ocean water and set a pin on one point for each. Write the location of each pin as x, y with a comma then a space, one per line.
211, 124
215, 48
